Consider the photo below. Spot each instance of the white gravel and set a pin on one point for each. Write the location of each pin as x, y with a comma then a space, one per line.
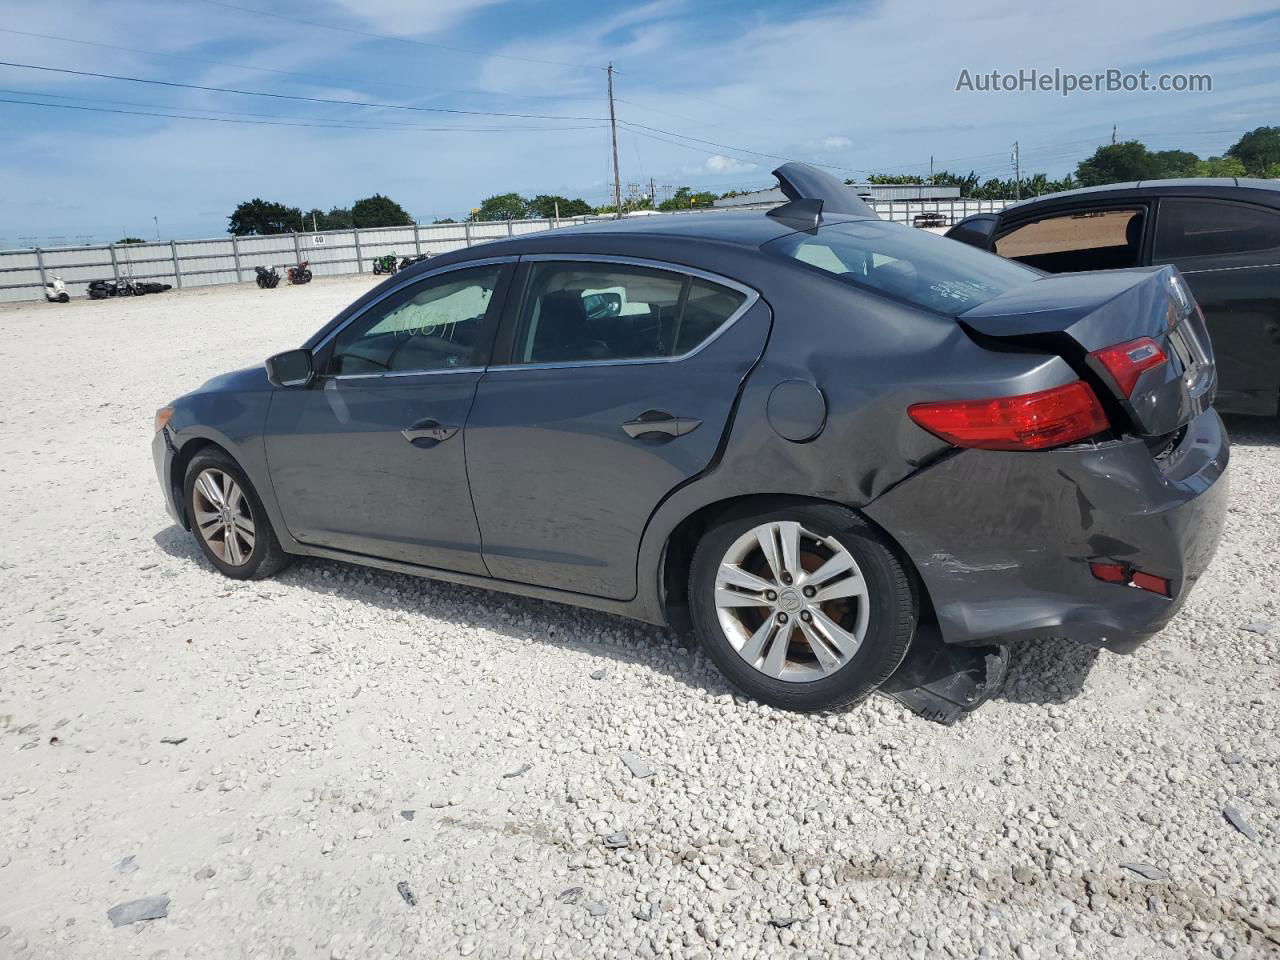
317, 707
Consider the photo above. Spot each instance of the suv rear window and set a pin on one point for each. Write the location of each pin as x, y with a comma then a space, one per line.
904, 263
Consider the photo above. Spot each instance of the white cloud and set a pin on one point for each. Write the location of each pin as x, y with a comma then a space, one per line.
737, 86
721, 164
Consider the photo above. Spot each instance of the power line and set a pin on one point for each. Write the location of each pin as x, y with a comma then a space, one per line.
687, 146
725, 146
287, 96
283, 73
316, 121
286, 123
289, 18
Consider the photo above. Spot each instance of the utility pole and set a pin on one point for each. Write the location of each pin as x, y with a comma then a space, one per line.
1017, 172
653, 196
613, 133
1113, 134
157, 223
931, 168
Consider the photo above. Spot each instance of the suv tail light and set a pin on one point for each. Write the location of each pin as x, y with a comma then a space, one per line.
1125, 362
1031, 421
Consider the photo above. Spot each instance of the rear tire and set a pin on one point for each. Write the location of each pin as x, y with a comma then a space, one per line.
228, 520
805, 607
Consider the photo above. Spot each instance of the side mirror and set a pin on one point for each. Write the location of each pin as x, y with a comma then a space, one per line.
975, 230
602, 305
290, 369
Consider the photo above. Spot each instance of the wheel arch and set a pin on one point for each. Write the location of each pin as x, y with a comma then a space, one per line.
178, 471
677, 552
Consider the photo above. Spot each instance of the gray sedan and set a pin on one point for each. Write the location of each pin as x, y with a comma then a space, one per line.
812, 437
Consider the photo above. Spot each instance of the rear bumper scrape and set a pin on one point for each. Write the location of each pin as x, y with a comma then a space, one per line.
1003, 541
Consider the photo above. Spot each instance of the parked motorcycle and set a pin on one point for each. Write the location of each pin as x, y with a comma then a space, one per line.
101, 289
268, 278
301, 273
407, 262
55, 291
385, 264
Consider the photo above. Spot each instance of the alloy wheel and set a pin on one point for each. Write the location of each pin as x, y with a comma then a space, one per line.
223, 516
791, 602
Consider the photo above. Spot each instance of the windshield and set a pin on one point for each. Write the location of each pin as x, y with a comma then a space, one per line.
905, 263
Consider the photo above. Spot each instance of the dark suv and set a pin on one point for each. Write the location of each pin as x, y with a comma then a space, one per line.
1223, 234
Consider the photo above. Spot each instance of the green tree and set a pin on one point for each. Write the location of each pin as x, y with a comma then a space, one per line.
892, 179
316, 219
1220, 167
544, 206
1258, 150
1118, 162
338, 218
379, 211
1177, 163
263, 218
685, 199
131, 240
445, 220
502, 206
1272, 172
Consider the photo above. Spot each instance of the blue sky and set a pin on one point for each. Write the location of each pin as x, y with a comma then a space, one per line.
861, 87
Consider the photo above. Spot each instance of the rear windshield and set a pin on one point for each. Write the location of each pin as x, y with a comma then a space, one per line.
905, 263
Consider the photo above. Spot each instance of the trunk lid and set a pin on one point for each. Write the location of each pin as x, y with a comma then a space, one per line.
1076, 315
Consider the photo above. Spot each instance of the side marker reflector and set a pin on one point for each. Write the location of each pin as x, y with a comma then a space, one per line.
1124, 575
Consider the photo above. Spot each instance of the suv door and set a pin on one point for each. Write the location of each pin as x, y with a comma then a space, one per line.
369, 458
1099, 236
613, 383
1230, 254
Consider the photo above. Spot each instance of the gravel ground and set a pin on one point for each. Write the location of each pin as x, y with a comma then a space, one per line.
375, 765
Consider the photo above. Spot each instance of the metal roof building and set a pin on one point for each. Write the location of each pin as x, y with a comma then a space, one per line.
874, 192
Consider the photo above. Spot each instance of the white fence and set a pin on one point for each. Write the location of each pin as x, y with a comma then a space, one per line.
952, 211
193, 263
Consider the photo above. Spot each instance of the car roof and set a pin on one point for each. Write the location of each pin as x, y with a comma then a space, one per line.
1244, 188
740, 231
745, 227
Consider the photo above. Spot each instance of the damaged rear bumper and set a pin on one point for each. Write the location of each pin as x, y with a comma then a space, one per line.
1003, 541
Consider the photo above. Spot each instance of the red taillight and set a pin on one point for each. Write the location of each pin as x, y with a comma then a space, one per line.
1128, 361
1032, 421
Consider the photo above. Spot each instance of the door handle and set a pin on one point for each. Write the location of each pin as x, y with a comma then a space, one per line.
660, 422
427, 433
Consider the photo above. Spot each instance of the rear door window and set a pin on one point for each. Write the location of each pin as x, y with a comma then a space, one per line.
904, 263
583, 311
1212, 228
1081, 240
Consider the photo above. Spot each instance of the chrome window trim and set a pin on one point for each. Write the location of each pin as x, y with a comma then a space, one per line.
752, 297
419, 278
393, 374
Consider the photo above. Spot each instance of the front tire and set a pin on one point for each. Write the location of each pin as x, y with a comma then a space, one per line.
805, 607
228, 519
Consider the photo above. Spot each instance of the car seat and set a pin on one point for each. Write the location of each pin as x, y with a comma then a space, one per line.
563, 331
